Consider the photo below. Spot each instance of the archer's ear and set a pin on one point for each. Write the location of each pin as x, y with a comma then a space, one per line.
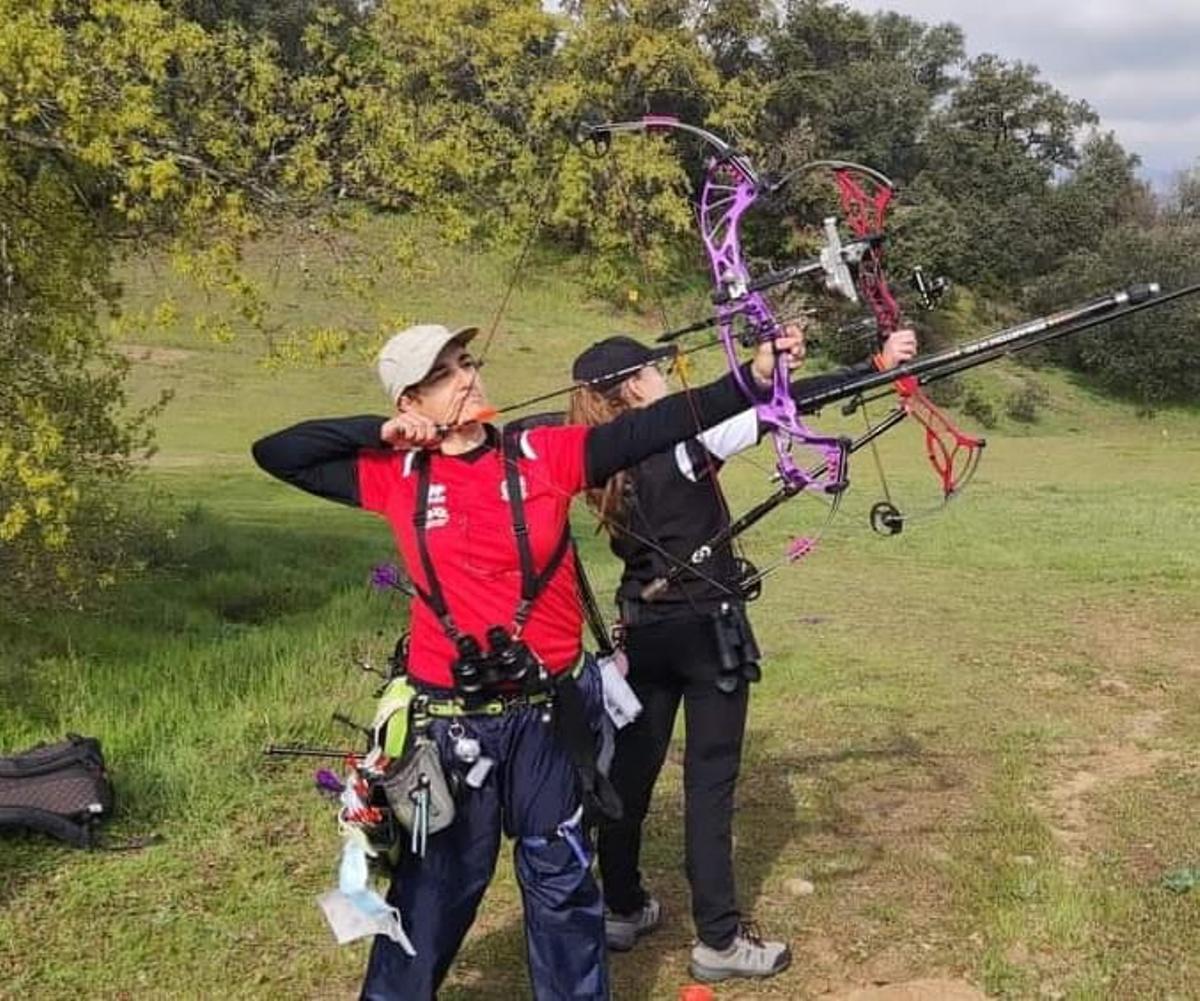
628, 392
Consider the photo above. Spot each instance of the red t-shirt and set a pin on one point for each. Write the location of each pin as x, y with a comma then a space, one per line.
474, 551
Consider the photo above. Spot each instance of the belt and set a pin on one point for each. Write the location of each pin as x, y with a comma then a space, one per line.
498, 706
641, 613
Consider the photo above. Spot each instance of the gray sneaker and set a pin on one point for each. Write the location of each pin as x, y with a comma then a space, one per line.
623, 930
747, 956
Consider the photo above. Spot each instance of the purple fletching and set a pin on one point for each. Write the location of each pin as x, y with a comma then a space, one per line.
328, 782
385, 577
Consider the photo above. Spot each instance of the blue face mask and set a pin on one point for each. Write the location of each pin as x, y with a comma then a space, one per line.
356, 911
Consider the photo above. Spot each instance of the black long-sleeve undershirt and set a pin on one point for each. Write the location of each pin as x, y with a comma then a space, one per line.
639, 433
320, 456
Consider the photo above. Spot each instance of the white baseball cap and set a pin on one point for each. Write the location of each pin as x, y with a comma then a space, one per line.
408, 356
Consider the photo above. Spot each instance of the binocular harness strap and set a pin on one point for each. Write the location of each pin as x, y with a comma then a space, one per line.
532, 582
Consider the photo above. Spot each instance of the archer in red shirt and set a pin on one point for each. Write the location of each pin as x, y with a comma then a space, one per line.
445, 481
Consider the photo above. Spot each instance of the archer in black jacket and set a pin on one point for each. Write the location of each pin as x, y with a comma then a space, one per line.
693, 643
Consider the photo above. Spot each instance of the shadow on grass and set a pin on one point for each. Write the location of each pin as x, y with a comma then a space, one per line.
27, 858
215, 574
768, 821
492, 966
900, 747
765, 822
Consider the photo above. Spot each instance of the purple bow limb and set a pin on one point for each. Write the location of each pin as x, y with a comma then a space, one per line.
729, 190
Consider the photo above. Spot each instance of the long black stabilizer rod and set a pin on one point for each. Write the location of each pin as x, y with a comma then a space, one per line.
987, 348
1032, 333
1043, 337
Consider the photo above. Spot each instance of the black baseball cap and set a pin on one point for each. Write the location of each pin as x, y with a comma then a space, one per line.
609, 362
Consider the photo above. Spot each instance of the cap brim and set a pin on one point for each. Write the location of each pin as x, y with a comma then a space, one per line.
464, 334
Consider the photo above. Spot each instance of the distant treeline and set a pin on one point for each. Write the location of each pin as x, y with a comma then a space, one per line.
199, 124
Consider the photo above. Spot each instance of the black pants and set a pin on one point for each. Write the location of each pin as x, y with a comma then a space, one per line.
667, 662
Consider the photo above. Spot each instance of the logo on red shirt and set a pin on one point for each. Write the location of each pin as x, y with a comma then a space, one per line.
437, 514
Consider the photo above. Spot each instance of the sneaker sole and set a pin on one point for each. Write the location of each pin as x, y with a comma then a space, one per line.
623, 943
714, 975
620, 944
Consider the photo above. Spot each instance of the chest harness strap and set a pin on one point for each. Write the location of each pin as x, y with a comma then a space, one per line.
508, 659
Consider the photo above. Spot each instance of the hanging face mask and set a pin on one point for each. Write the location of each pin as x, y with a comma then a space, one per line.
356, 911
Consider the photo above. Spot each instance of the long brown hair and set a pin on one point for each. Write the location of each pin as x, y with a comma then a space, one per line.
591, 406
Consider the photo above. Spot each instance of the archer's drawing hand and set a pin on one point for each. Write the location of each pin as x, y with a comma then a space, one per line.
410, 430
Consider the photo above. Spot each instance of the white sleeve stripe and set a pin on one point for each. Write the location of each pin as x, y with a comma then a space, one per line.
408, 461
731, 436
684, 461
526, 447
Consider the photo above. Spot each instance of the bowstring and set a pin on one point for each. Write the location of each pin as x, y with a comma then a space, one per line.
493, 327
878, 459
736, 547
514, 277
638, 243
862, 208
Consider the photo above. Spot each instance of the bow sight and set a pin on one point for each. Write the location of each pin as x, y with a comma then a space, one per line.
929, 290
832, 264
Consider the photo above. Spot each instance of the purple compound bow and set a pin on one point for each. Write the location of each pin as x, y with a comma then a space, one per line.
731, 187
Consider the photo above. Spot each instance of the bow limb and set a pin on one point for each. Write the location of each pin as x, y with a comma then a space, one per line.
743, 314
600, 136
953, 454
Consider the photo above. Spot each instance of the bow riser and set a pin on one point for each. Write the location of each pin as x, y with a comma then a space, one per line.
729, 191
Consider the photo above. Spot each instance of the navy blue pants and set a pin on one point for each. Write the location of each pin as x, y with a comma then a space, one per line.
532, 796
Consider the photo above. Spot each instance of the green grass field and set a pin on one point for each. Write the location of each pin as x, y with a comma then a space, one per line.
976, 741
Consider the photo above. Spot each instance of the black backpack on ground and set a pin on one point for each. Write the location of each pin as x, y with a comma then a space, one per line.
58, 789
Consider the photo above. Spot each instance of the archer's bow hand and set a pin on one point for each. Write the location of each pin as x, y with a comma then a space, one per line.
900, 347
789, 345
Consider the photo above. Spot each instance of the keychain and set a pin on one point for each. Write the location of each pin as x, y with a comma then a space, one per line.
468, 751
479, 772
